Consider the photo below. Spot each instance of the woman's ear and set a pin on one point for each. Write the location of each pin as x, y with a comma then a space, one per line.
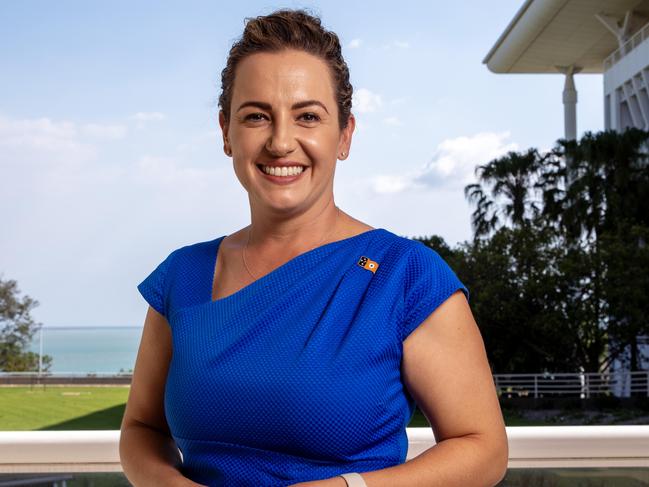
346, 138
224, 131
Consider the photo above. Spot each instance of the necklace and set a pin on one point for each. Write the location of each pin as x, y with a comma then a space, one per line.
243, 252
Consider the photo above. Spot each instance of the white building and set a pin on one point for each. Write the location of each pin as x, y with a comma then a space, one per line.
583, 36
567, 37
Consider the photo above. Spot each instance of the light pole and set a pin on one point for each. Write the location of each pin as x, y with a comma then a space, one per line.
40, 350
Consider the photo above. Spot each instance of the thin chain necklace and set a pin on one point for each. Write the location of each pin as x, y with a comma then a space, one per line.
243, 253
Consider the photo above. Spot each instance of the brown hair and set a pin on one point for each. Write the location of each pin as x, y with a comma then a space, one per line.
290, 29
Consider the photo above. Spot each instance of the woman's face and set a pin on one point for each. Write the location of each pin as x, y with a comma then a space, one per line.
284, 112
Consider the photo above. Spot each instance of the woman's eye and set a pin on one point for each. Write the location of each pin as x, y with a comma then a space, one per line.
310, 117
255, 117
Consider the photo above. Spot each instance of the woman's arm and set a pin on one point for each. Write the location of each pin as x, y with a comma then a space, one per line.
148, 454
446, 371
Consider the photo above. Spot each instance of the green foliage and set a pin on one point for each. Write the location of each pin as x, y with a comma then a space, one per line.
626, 286
506, 192
17, 329
557, 269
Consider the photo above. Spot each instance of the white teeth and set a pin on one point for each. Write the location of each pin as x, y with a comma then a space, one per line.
283, 171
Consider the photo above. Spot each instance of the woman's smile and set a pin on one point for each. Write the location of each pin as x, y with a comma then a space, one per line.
282, 174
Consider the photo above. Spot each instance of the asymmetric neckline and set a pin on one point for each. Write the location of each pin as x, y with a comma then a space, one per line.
277, 270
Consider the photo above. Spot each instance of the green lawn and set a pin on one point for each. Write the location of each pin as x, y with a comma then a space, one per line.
102, 408
61, 408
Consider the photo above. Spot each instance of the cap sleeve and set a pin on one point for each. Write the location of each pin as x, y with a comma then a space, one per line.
429, 281
154, 287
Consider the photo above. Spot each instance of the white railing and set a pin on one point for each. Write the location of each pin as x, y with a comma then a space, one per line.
635, 40
529, 447
63, 375
573, 384
64, 378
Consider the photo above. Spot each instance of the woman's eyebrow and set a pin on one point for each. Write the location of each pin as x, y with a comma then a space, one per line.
268, 107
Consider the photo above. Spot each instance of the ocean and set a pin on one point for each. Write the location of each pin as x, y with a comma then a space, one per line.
78, 349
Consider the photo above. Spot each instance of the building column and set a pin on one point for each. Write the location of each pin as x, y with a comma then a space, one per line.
569, 102
570, 107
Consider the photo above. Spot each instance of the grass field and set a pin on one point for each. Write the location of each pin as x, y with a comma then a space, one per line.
61, 408
102, 408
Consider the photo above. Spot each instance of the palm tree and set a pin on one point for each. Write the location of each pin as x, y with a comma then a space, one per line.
505, 192
484, 218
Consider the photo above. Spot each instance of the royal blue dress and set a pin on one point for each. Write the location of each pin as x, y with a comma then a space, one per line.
295, 377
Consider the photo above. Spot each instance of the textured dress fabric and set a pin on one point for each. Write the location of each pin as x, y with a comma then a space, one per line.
295, 377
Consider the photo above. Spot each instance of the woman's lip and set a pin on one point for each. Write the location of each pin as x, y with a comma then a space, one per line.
282, 163
292, 164
281, 179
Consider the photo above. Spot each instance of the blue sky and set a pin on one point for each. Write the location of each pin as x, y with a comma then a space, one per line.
110, 149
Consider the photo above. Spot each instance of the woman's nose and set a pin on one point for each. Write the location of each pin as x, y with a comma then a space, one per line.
281, 139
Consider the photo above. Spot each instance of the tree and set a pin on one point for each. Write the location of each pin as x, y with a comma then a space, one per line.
626, 288
17, 329
518, 313
596, 190
559, 257
505, 192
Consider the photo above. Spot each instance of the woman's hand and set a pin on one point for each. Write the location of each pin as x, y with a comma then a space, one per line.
332, 482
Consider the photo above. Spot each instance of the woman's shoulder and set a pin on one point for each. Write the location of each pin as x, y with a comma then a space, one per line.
407, 259
191, 252
400, 245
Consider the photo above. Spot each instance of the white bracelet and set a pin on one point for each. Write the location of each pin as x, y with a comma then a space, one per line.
354, 479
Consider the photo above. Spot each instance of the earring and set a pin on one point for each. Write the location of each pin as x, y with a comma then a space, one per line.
228, 151
343, 154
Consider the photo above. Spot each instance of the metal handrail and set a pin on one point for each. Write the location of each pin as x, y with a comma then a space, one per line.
64, 375
634, 41
529, 447
575, 384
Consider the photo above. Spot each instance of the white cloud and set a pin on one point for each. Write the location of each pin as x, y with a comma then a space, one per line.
452, 164
393, 121
41, 158
398, 44
165, 171
42, 130
19, 131
398, 101
149, 116
390, 184
99, 131
366, 101
49, 147
41, 142
142, 118
354, 43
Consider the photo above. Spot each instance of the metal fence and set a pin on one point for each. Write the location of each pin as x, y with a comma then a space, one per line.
68, 378
568, 384
573, 384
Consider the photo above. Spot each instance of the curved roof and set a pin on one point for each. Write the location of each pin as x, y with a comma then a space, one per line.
547, 34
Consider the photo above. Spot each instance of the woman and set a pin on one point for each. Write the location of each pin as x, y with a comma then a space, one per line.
302, 342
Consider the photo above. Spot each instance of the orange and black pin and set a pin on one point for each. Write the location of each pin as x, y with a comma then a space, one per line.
368, 264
